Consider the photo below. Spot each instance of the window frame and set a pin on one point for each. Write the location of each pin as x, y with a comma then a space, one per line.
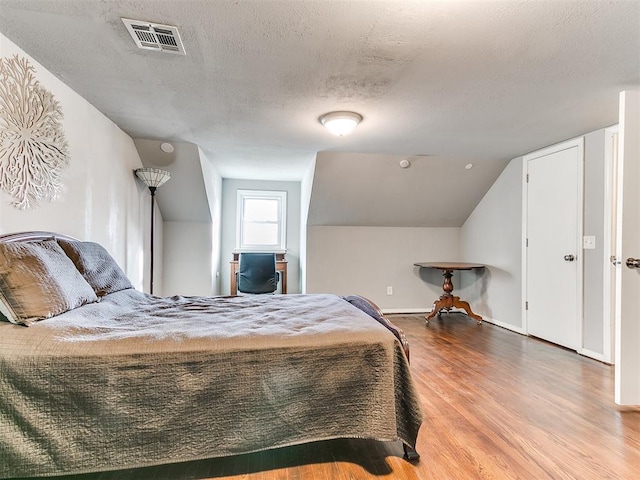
279, 195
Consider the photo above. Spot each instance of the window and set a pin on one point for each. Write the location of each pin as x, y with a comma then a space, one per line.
261, 220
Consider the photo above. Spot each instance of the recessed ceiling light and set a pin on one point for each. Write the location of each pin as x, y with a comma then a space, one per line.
404, 163
340, 123
166, 147
469, 166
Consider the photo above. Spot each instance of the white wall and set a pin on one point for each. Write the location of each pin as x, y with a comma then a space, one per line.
101, 200
213, 187
187, 259
230, 188
366, 260
492, 235
306, 187
593, 260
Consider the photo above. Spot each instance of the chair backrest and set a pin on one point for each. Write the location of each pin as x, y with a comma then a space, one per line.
257, 273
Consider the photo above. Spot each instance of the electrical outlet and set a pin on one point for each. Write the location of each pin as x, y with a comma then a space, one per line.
389, 290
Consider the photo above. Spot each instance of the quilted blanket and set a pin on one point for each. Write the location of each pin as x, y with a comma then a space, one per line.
137, 380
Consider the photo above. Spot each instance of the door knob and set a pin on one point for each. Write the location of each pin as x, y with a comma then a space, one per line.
633, 262
569, 258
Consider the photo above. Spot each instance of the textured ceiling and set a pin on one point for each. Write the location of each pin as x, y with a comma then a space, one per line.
478, 79
456, 81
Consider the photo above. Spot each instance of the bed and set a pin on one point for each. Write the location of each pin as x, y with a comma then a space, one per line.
96, 376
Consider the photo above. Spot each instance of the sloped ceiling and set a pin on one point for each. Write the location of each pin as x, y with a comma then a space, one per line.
432, 192
183, 198
454, 80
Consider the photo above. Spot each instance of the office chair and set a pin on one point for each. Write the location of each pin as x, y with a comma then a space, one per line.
257, 273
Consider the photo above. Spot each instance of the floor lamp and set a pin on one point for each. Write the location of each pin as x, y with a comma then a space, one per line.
152, 178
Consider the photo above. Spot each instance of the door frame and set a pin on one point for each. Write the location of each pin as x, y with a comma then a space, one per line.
558, 147
611, 231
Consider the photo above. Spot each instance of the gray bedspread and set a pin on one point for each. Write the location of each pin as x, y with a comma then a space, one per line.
137, 380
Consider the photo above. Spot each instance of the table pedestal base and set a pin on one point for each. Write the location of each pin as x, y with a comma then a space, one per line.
447, 302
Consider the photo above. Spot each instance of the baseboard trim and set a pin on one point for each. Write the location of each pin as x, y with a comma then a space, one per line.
404, 310
409, 311
425, 311
504, 325
595, 355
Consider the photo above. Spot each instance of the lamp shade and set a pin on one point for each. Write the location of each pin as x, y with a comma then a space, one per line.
340, 123
153, 177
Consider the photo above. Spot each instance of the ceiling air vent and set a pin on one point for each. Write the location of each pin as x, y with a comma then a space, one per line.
152, 36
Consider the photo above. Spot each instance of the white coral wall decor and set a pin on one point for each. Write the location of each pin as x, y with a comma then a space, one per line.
33, 148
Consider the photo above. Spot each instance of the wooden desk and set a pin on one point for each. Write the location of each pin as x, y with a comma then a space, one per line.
447, 300
281, 266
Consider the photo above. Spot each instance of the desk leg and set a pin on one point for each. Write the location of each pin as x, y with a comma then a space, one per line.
233, 279
447, 301
283, 279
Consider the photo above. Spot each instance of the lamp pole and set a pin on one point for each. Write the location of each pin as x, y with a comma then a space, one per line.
152, 233
152, 178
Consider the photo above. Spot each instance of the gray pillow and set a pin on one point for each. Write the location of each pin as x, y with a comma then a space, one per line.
37, 281
97, 267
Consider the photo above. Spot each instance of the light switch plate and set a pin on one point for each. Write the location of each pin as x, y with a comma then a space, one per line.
589, 242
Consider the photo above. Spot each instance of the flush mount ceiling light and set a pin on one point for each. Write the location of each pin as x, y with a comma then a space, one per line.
166, 147
340, 123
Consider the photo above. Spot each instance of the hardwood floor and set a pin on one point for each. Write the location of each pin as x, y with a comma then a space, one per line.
497, 405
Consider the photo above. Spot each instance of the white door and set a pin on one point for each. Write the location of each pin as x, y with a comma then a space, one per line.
553, 206
627, 325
